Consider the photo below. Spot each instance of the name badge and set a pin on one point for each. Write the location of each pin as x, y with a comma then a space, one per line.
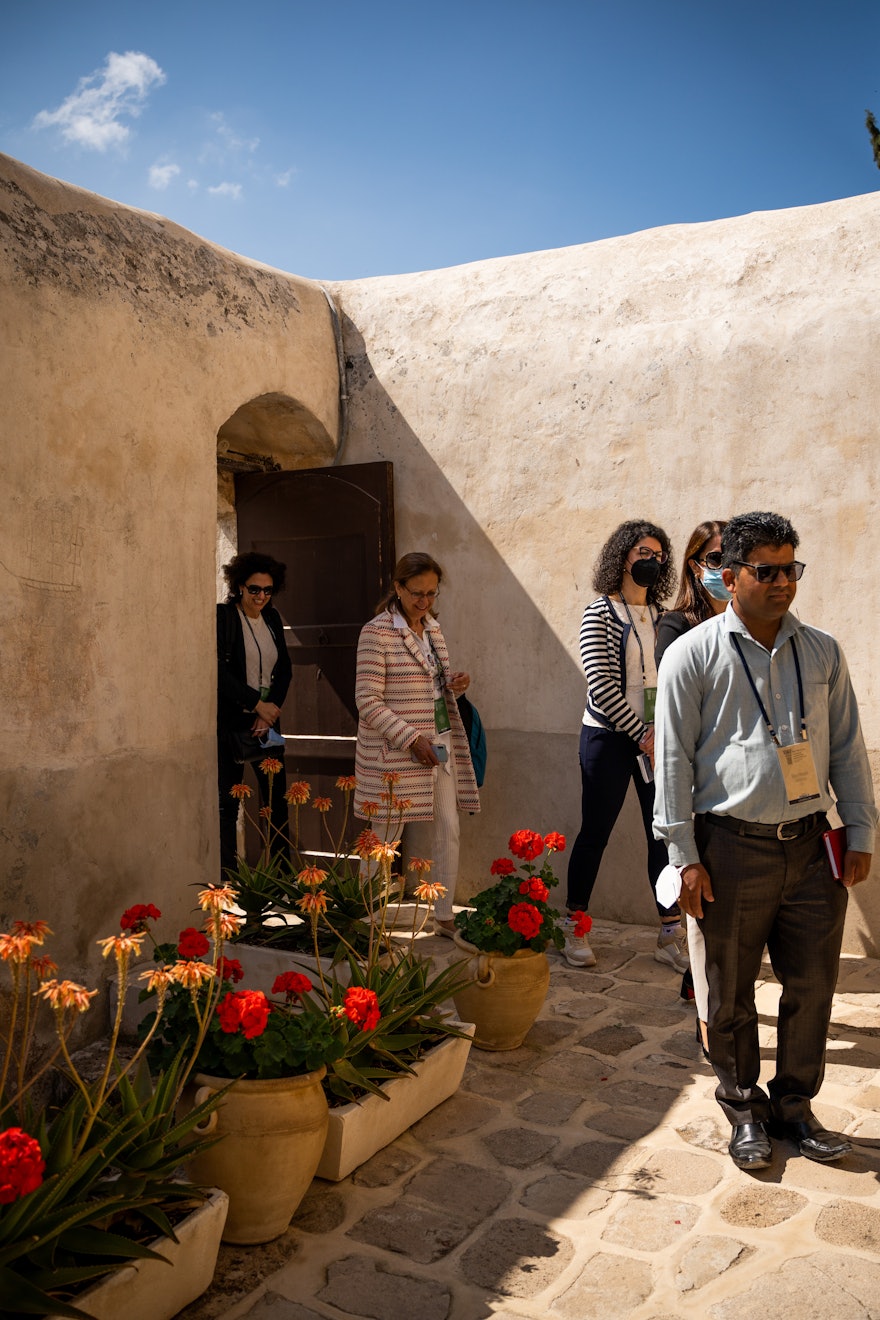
799, 772
441, 715
650, 704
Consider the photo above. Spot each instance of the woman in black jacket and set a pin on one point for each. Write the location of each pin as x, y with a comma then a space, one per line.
253, 675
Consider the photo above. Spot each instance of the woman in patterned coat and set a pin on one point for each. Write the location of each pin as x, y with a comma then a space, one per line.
409, 726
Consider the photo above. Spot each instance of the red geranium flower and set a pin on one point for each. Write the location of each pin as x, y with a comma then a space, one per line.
230, 969
192, 943
583, 924
21, 1165
291, 983
526, 844
525, 920
361, 1007
245, 1010
136, 917
554, 842
535, 888
502, 866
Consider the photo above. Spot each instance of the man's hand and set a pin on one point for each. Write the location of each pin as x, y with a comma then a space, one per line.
696, 888
856, 866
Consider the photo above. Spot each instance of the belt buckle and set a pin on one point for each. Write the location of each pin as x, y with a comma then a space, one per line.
786, 838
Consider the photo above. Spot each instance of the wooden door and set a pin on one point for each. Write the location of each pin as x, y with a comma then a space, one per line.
334, 529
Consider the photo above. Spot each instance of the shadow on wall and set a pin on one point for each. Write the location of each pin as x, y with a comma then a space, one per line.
529, 688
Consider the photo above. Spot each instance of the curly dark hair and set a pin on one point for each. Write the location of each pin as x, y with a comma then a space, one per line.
747, 531
243, 566
693, 599
608, 570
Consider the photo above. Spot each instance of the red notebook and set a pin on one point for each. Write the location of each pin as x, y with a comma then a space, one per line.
835, 846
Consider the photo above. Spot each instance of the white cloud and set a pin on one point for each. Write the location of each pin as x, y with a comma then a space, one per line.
232, 190
161, 175
192, 184
282, 180
91, 115
230, 138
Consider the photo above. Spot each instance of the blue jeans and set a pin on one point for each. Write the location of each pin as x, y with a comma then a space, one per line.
608, 763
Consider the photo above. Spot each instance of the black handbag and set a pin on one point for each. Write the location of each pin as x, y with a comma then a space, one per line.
247, 746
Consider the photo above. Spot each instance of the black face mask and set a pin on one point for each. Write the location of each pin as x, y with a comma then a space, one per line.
645, 572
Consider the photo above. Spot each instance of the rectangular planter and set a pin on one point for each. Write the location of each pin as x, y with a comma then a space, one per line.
152, 1290
358, 1130
262, 963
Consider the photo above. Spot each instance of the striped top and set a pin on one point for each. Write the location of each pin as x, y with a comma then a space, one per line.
394, 691
603, 640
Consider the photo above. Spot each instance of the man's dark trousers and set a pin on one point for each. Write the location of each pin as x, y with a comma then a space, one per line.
780, 894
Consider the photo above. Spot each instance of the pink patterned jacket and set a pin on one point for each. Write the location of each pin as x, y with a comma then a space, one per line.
394, 692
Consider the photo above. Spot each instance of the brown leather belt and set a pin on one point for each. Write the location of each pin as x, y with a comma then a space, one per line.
785, 831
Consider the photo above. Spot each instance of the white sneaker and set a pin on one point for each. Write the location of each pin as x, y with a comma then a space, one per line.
672, 949
577, 951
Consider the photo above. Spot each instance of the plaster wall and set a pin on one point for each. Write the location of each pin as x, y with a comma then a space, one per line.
531, 403
128, 343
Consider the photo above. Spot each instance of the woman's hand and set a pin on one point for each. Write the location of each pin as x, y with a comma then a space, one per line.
647, 744
259, 727
422, 751
268, 711
458, 682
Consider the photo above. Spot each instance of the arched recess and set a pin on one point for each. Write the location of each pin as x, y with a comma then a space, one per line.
269, 433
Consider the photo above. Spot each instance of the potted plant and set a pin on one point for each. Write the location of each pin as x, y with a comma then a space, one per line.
505, 933
89, 1181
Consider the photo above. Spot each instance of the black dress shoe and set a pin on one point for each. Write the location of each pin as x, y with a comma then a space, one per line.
750, 1146
811, 1139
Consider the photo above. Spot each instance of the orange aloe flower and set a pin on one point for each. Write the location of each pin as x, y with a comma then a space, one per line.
15, 948
401, 804
270, 765
216, 897
66, 994
364, 844
369, 810
313, 903
226, 924
240, 791
322, 804
312, 876
429, 892
34, 930
347, 783
122, 945
158, 978
420, 864
298, 794
390, 777
265, 812
191, 974
43, 967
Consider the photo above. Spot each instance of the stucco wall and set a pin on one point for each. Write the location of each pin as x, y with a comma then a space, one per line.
128, 343
531, 403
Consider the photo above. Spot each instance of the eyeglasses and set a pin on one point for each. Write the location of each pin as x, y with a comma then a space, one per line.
644, 553
711, 560
429, 596
767, 573
258, 591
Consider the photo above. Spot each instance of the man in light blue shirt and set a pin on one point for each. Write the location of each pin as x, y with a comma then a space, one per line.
756, 726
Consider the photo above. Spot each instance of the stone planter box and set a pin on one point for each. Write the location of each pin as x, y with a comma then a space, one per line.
152, 1290
360, 1129
262, 963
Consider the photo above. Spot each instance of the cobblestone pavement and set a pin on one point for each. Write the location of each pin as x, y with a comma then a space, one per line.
585, 1175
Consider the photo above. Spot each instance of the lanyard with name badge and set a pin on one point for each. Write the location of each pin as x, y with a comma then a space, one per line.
441, 710
650, 692
796, 760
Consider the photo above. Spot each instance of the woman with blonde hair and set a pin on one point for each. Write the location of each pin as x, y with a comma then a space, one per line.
410, 735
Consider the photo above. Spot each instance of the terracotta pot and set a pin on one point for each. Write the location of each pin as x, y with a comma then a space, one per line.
506, 996
273, 1135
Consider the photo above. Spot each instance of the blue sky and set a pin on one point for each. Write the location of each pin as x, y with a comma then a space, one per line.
338, 141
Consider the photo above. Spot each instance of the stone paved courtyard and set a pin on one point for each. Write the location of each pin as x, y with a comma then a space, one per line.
585, 1175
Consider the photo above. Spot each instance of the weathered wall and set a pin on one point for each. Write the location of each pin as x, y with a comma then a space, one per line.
128, 343
531, 403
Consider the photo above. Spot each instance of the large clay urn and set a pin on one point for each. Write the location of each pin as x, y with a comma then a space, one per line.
273, 1135
506, 996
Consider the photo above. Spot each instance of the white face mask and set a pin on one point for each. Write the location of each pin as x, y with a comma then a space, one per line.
714, 584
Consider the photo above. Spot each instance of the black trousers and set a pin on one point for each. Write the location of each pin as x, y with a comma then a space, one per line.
230, 772
608, 763
780, 894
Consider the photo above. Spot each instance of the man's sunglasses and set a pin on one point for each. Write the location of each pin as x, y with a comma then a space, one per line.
767, 573
258, 591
